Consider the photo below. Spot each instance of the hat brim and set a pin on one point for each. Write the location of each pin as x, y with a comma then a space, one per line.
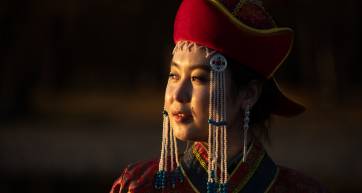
274, 44
283, 105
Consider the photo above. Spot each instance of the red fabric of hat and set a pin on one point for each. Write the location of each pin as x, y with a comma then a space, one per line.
242, 30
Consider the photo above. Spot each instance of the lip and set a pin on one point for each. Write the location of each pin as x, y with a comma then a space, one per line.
182, 117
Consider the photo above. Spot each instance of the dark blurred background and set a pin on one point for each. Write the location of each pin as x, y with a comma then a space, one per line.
82, 91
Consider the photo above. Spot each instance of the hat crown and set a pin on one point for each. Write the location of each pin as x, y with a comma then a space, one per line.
250, 12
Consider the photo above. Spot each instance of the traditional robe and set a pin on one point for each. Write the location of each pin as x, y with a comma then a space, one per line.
259, 174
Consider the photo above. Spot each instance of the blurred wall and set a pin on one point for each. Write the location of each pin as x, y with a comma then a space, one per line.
81, 90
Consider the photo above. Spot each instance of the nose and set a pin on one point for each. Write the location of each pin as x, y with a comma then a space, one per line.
183, 91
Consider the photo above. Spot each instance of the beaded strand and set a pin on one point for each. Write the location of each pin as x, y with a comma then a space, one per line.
164, 172
217, 150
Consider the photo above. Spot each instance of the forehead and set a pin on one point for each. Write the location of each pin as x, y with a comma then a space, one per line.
186, 57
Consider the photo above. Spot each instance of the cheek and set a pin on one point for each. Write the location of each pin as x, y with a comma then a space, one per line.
168, 96
233, 107
201, 102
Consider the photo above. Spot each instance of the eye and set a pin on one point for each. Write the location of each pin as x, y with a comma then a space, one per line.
173, 76
199, 79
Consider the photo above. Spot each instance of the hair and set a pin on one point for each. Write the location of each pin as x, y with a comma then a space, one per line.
260, 114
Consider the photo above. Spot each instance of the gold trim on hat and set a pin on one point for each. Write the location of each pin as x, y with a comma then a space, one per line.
246, 28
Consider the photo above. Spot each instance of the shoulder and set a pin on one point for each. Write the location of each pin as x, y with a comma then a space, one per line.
290, 180
136, 175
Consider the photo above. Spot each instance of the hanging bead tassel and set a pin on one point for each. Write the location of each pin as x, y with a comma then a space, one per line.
160, 177
217, 140
172, 166
165, 172
177, 172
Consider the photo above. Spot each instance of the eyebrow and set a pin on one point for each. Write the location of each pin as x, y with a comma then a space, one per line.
193, 66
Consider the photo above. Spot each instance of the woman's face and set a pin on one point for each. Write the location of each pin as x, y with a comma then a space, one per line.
187, 95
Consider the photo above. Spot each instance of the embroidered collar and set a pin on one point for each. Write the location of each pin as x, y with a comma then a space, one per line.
256, 175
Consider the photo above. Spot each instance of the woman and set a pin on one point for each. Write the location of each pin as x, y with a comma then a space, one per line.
220, 95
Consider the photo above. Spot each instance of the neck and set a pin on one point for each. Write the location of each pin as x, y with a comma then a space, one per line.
236, 142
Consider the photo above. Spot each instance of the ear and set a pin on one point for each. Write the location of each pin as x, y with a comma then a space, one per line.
250, 94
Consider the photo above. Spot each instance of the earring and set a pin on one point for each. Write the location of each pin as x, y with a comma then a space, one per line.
246, 120
169, 142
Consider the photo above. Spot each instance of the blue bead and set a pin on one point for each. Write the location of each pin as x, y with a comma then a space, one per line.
179, 174
164, 112
211, 187
223, 188
216, 123
158, 180
213, 174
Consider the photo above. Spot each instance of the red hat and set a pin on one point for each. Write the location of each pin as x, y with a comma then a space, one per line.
243, 31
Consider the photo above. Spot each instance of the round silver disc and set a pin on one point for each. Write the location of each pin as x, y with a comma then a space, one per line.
218, 63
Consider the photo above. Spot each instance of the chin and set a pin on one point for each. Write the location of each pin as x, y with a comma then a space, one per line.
189, 134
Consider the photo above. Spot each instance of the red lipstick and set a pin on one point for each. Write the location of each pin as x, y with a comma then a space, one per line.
181, 117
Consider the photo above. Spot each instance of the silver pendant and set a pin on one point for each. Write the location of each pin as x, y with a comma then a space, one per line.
218, 63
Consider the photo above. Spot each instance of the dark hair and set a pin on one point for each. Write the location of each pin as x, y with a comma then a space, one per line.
260, 114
